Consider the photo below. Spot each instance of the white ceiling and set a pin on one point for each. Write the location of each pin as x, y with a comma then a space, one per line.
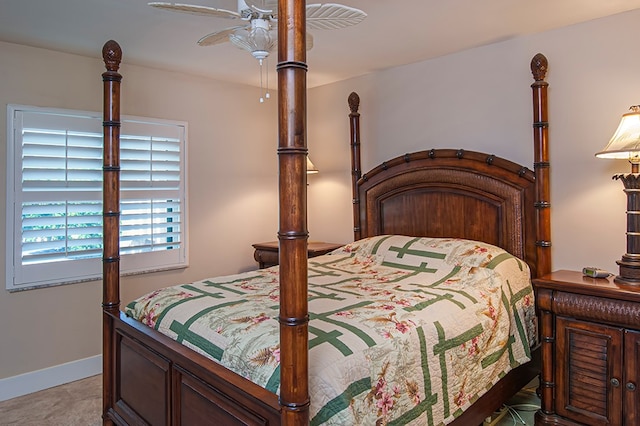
395, 32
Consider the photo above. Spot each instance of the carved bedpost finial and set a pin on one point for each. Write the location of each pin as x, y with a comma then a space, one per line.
539, 67
112, 55
354, 102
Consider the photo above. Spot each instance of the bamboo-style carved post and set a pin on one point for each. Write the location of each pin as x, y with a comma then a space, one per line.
544, 299
356, 170
292, 234
541, 165
112, 55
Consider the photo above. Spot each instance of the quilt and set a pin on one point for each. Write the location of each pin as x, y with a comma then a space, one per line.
403, 330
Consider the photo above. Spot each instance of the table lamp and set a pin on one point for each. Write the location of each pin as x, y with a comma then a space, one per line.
625, 144
311, 168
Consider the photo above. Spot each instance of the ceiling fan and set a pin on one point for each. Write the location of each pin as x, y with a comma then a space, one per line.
257, 34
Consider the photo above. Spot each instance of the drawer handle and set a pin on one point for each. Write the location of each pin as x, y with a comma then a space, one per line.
615, 382
631, 386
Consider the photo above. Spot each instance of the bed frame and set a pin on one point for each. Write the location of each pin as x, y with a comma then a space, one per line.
150, 379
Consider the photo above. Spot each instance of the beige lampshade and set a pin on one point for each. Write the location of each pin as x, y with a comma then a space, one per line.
625, 143
310, 167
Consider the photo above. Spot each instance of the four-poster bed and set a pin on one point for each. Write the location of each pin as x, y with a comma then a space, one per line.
150, 378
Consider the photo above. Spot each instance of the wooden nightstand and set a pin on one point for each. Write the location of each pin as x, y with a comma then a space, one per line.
266, 254
590, 331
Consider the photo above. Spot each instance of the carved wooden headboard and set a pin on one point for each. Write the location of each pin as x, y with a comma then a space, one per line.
460, 194
449, 193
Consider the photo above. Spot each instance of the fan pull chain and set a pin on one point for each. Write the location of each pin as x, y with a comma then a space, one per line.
267, 95
261, 98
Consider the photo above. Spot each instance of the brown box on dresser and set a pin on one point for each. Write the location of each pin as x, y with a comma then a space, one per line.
590, 334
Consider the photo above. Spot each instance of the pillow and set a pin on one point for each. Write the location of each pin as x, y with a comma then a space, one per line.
416, 251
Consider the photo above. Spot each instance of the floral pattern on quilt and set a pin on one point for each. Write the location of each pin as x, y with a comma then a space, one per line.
402, 330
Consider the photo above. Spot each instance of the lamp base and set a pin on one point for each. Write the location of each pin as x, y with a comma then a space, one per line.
629, 270
630, 262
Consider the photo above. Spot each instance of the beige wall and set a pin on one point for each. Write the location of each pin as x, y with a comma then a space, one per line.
232, 188
478, 99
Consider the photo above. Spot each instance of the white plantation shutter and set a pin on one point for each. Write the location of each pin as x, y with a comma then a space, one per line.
55, 196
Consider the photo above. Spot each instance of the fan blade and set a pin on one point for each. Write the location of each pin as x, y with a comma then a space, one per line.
263, 11
217, 37
330, 16
196, 10
265, 6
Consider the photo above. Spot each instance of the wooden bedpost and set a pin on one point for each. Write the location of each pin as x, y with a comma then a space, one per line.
292, 234
543, 243
356, 170
112, 55
541, 165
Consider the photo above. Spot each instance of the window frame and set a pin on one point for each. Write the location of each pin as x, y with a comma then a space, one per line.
55, 273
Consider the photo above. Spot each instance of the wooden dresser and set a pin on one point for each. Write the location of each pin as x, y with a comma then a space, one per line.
266, 254
590, 334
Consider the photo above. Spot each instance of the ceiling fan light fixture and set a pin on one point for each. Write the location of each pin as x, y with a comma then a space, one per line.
259, 37
258, 40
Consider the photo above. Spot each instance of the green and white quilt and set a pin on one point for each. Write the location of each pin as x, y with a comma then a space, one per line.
403, 330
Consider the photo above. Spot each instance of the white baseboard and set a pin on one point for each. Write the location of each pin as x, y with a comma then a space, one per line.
34, 381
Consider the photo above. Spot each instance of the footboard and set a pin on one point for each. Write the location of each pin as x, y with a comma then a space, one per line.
160, 382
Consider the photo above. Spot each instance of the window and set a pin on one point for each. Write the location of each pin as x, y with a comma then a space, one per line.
54, 196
